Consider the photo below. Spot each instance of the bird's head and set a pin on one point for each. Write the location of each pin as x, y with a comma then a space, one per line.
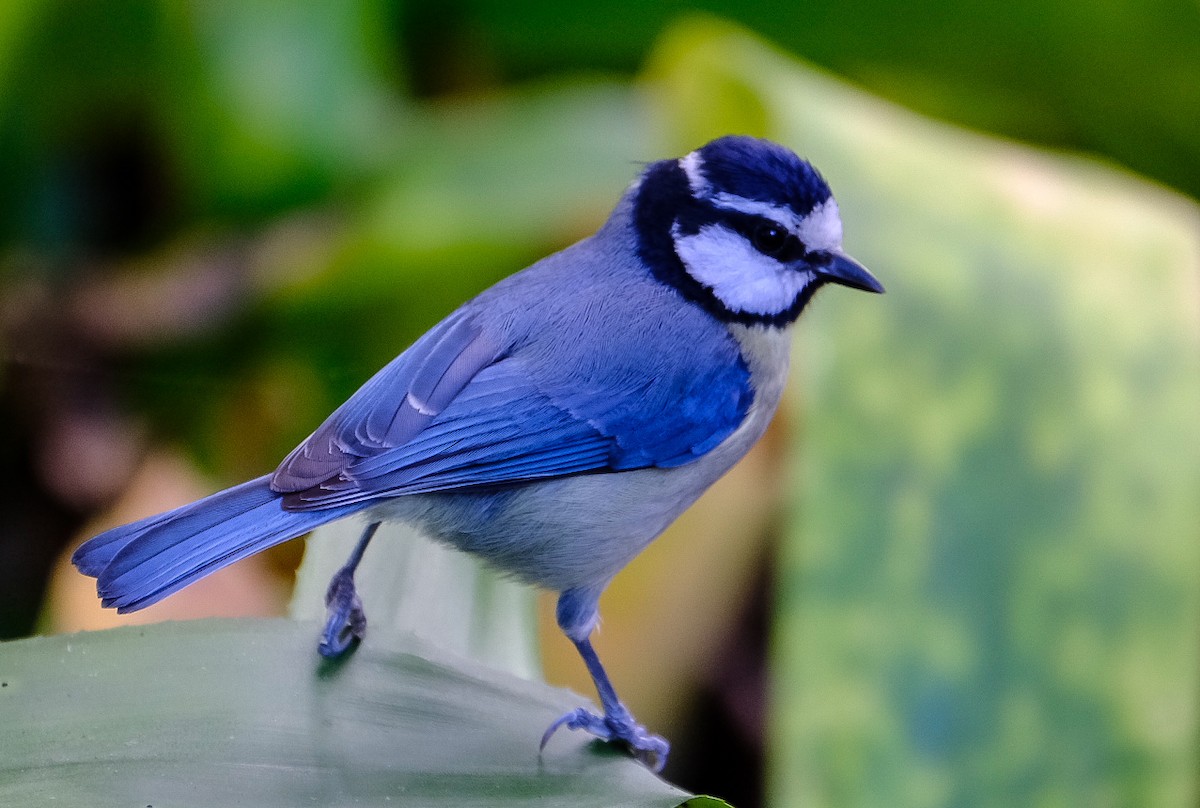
745, 228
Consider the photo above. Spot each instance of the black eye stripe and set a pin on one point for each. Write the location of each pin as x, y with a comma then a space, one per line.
770, 238
765, 235
781, 245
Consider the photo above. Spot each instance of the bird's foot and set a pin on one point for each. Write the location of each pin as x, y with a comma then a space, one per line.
617, 726
347, 622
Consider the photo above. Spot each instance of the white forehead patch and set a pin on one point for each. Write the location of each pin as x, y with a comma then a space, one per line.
690, 163
778, 213
741, 277
821, 229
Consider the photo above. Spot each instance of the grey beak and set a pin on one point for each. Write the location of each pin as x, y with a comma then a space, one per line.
846, 271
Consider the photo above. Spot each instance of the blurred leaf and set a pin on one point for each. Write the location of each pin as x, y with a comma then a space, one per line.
990, 594
225, 712
78, 84
486, 184
1120, 78
16, 19
279, 104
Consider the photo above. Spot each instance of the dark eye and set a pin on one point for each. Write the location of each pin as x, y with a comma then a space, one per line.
769, 238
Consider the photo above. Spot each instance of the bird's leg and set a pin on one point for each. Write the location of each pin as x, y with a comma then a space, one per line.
347, 622
577, 616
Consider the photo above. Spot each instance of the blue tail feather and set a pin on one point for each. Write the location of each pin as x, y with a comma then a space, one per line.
95, 554
140, 564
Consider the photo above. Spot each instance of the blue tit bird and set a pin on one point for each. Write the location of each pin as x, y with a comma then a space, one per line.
558, 422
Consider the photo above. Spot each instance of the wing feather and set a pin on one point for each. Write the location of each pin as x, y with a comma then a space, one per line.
394, 406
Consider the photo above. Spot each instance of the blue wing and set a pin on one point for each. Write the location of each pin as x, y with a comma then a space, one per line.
462, 409
393, 406
499, 430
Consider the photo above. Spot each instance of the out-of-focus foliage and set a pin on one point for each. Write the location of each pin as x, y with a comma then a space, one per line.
1120, 78
227, 110
991, 592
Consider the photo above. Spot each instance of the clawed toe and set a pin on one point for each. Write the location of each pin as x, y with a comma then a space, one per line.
618, 727
347, 622
650, 750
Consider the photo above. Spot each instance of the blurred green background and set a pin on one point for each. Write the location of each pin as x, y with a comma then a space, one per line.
962, 570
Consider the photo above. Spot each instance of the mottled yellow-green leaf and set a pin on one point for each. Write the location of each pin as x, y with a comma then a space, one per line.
990, 593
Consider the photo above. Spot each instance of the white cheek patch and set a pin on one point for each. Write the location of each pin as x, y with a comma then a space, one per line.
741, 277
